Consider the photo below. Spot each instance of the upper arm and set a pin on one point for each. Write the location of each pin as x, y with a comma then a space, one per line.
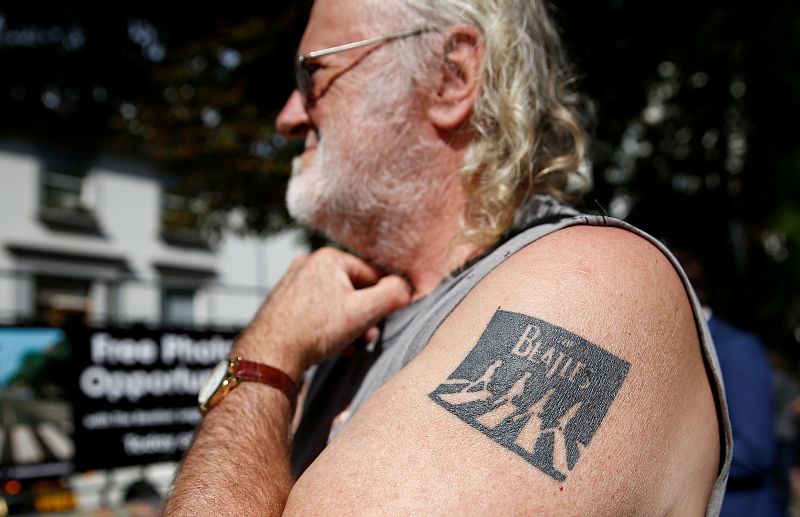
597, 398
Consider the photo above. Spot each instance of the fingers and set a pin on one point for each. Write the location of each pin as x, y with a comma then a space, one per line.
349, 294
361, 273
298, 262
373, 303
371, 334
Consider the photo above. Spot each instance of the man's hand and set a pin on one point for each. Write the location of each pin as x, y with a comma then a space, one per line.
325, 301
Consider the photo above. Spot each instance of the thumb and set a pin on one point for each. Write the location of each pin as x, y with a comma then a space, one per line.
373, 303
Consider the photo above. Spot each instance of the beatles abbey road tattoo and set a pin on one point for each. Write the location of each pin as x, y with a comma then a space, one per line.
535, 389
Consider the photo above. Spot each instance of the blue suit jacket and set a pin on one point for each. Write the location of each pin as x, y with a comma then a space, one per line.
748, 389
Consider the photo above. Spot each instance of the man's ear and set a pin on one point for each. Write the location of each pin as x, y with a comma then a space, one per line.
459, 82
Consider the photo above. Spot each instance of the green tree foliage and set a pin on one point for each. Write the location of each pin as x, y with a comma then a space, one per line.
195, 91
693, 105
211, 120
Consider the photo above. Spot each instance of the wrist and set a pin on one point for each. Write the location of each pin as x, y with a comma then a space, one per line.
229, 374
270, 351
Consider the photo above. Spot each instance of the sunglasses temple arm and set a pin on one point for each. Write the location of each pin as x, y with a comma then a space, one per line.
357, 44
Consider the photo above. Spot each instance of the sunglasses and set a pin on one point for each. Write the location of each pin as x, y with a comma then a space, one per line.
304, 65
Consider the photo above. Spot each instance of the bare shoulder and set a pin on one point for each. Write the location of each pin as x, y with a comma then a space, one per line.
569, 381
588, 273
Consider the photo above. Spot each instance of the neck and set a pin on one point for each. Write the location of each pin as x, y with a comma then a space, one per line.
433, 264
412, 231
433, 252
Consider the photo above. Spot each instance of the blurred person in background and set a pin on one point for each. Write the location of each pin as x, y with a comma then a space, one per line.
749, 393
748, 390
521, 358
787, 399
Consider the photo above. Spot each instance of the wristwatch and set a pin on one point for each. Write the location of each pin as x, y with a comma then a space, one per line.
228, 373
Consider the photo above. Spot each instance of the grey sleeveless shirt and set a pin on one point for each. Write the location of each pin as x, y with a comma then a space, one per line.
406, 332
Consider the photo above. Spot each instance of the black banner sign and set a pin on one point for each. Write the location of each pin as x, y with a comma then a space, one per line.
135, 392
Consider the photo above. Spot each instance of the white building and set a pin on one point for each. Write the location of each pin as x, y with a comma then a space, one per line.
88, 240
93, 242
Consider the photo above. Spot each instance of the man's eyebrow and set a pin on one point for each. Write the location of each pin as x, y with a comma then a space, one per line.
534, 388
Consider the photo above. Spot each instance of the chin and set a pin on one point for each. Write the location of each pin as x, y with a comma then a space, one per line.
299, 201
307, 197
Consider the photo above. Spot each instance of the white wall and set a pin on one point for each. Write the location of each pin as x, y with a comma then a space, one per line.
18, 197
127, 204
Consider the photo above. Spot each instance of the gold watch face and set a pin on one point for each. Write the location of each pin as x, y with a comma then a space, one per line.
212, 384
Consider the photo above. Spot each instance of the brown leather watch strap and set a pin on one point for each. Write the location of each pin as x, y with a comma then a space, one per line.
251, 371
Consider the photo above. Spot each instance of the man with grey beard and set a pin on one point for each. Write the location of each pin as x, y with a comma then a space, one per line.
512, 356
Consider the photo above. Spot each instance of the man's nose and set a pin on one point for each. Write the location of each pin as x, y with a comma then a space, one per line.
293, 121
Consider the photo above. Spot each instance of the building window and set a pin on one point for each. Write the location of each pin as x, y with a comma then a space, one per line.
180, 220
177, 306
62, 300
64, 185
66, 202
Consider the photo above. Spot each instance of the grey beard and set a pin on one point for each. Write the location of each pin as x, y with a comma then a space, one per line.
379, 206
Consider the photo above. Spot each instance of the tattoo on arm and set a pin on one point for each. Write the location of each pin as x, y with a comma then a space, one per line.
534, 388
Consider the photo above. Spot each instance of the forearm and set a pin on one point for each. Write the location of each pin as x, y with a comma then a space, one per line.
239, 462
